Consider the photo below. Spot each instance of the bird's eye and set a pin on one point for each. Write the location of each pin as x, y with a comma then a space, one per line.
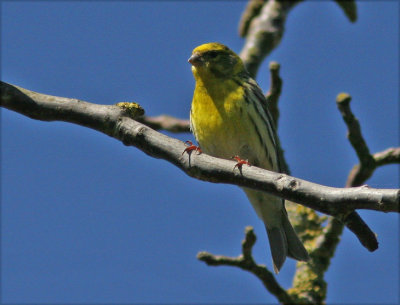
212, 54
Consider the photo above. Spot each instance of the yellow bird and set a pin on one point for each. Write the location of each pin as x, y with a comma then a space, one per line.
229, 117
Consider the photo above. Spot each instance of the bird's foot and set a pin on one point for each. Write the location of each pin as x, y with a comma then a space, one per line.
191, 147
240, 162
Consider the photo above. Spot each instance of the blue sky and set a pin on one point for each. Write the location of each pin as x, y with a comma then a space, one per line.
86, 219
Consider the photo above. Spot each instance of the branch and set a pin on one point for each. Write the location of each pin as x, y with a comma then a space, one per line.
367, 162
362, 172
272, 96
251, 11
166, 122
275, 89
246, 262
388, 156
263, 25
113, 121
309, 286
324, 243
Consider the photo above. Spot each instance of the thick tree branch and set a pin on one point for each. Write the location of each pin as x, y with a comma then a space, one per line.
263, 26
251, 11
113, 121
246, 262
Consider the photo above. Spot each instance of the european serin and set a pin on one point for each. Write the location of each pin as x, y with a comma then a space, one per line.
229, 117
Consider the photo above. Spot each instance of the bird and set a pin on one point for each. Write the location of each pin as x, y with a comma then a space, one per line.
229, 117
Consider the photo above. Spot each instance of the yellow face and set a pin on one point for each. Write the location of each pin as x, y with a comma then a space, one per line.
215, 60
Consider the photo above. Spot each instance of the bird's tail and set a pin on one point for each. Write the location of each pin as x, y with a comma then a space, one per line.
283, 240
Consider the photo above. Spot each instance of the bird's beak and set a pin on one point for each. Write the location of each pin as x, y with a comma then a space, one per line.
195, 60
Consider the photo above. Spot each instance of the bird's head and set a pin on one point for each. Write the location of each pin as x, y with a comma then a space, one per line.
215, 60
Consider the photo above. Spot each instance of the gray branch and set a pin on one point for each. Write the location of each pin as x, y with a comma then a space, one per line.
166, 122
263, 26
113, 121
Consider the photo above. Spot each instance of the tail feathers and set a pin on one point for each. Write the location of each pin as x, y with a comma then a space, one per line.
283, 242
278, 245
296, 248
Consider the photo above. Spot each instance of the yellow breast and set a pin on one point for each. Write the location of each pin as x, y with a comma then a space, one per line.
217, 118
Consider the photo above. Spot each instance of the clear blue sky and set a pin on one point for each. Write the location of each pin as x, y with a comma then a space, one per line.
86, 219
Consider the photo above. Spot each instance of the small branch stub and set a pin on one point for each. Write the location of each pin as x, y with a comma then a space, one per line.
133, 110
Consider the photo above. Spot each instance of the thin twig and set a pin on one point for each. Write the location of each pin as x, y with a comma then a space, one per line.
367, 162
388, 156
272, 96
166, 122
360, 173
275, 89
246, 262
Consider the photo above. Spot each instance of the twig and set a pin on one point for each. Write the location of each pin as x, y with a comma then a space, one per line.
166, 122
246, 262
275, 89
388, 156
367, 162
360, 173
272, 96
